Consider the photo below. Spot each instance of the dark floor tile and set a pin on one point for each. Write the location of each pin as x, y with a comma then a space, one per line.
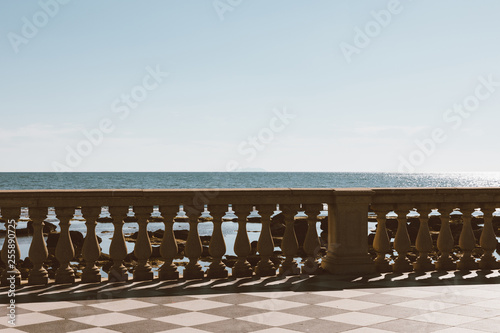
319, 325
314, 311
143, 326
77, 311
154, 311
234, 311
231, 326
55, 326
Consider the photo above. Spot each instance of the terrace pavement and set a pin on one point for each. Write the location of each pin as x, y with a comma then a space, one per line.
429, 302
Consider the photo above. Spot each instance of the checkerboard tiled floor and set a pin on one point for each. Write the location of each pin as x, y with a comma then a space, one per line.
456, 302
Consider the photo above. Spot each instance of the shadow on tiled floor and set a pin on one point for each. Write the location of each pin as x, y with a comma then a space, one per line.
302, 283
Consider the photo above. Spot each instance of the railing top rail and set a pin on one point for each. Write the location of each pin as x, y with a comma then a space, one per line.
149, 197
254, 196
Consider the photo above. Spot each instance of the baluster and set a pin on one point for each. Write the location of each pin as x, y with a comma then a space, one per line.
381, 244
217, 247
423, 244
91, 250
38, 252
10, 273
467, 242
242, 248
312, 244
168, 247
265, 246
143, 249
65, 251
488, 242
193, 248
118, 247
445, 244
289, 244
402, 244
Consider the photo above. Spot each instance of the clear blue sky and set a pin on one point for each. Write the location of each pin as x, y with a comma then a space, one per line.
65, 69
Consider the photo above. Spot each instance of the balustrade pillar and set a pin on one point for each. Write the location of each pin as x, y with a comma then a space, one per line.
143, 249
445, 243
193, 249
91, 250
242, 247
217, 247
402, 244
312, 244
168, 247
347, 233
381, 244
289, 244
65, 251
118, 247
423, 244
488, 242
38, 252
467, 242
10, 250
265, 246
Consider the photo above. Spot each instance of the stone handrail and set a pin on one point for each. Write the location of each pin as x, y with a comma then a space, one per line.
348, 247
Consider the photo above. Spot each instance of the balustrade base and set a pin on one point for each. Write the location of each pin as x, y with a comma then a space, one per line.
91, 274
488, 263
118, 274
242, 268
193, 271
143, 275
402, 265
361, 264
265, 267
38, 276
168, 271
289, 268
65, 275
445, 264
383, 266
38, 279
217, 270
423, 265
91, 278
467, 263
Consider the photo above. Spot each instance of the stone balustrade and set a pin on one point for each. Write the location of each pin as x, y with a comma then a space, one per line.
348, 248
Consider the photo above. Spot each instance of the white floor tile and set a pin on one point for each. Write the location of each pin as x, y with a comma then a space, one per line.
443, 318
347, 293
358, 318
274, 318
273, 304
349, 304
34, 318
46, 306
190, 319
107, 319
428, 305
197, 305
122, 305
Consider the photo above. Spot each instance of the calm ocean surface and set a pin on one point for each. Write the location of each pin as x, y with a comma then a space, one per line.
167, 180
